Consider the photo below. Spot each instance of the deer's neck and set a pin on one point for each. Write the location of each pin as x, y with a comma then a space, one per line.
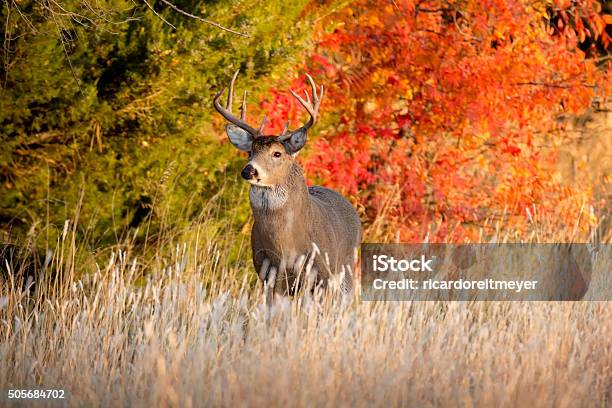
281, 215
291, 195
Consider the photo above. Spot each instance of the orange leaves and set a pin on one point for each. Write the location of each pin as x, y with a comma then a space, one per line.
441, 107
581, 19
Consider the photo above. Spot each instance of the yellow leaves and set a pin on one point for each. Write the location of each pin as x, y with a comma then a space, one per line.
502, 188
482, 161
539, 10
409, 94
373, 21
370, 106
473, 140
499, 34
400, 106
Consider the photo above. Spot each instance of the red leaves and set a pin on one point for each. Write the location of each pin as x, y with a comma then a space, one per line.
438, 115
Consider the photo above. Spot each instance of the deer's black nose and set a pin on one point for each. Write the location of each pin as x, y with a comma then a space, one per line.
249, 172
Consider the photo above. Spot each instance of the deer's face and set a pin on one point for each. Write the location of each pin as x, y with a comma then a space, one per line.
269, 163
270, 158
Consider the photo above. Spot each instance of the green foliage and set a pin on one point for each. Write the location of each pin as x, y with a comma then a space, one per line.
115, 104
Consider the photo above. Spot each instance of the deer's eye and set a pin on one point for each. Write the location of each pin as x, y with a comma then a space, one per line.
277, 154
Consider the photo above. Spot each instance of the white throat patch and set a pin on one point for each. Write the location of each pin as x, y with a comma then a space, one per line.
268, 198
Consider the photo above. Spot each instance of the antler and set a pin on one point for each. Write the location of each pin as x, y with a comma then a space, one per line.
227, 111
311, 106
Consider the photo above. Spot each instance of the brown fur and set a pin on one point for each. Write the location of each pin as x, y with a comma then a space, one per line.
301, 236
283, 233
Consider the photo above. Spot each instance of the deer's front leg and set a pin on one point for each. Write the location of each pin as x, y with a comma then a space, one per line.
264, 269
269, 285
268, 273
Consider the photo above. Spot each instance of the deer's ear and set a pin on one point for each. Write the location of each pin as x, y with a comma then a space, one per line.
239, 137
296, 141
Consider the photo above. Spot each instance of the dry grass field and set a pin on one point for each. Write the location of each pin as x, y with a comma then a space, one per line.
191, 330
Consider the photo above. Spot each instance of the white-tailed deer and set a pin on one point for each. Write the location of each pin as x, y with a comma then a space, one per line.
302, 236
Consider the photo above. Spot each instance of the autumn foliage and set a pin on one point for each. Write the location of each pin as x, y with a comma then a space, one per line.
439, 116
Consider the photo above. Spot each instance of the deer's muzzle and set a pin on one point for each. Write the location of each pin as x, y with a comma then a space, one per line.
249, 172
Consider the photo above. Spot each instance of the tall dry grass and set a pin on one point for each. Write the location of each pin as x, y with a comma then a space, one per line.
190, 329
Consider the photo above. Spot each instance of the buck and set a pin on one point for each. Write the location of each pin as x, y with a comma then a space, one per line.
302, 236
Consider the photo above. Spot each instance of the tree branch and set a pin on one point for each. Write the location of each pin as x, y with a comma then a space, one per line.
158, 15
212, 23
